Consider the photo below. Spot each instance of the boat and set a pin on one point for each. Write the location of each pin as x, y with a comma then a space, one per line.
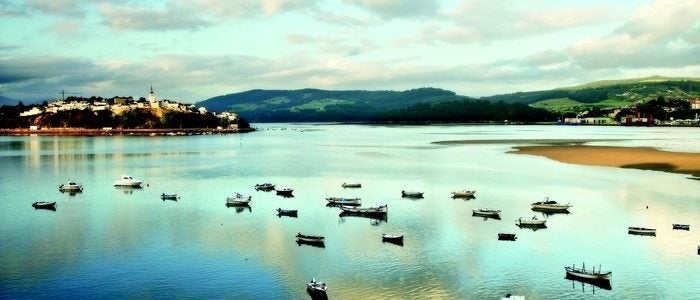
485, 212
287, 192
344, 201
530, 222
378, 210
463, 194
71, 187
550, 206
507, 236
392, 238
316, 287
681, 226
128, 181
513, 297
264, 186
313, 240
587, 275
641, 231
351, 185
238, 200
411, 194
165, 196
287, 212
44, 205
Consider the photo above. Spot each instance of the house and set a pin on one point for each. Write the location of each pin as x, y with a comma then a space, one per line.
694, 103
32, 112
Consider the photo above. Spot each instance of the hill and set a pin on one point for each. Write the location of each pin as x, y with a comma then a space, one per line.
7, 101
313, 105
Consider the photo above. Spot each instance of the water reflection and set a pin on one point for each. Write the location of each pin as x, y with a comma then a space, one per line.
311, 243
603, 284
239, 208
465, 198
374, 218
128, 189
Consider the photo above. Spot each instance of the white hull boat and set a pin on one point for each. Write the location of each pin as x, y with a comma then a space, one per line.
463, 194
128, 181
238, 200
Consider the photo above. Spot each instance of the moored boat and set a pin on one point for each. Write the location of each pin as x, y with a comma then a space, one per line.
411, 194
377, 210
351, 185
392, 238
681, 226
587, 275
128, 181
485, 212
71, 187
265, 186
463, 194
550, 206
287, 212
316, 287
641, 231
238, 200
165, 196
534, 221
507, 236
44, 205
287, 192
344, 201
314, 240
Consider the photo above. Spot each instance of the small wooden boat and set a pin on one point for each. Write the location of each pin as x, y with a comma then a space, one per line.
165, 196
587, 274
392, 238
351, 185
313, 240
463, 194
550, 206
411, 194
287, 212
264, 186
71, 187
44, 205
485, 212
507, 236
287, 192
238, 200
316, 287
681, 226
378, 210
641, 231
344, 201
530, 222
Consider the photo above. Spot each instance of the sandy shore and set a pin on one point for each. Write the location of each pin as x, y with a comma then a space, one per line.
623, 157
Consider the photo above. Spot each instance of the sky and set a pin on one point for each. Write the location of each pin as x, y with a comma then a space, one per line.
193, 50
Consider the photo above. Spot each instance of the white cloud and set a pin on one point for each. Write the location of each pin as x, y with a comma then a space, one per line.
398, 8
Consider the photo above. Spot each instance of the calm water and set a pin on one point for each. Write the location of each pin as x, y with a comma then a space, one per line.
121, 243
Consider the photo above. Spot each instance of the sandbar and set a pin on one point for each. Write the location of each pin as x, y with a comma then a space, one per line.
644, 158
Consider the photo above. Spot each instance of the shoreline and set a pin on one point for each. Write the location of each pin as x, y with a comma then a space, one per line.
118, 131
642, 158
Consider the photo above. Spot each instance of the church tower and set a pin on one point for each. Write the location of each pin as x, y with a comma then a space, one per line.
151, 96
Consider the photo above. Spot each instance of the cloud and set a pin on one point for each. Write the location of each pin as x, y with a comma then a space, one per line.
67, 8
173, 17
398, 8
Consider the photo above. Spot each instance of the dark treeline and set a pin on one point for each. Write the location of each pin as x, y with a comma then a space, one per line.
467, 111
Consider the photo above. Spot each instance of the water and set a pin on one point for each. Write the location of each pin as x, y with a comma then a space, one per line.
122, 243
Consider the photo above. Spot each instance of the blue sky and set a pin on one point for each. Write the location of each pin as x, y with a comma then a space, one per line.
192, 50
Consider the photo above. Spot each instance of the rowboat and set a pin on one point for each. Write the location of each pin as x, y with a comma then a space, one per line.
316, 288
286, 192
392, 238
507, 236
485, 212
165, 196
530, 222
265, 186
593, 277
550, 206
351, 185
44, 205
287, 212
641, 231
378, 210
238, 200
411, 194
313, 240
681, 226
463, 194
71, 187
344, 201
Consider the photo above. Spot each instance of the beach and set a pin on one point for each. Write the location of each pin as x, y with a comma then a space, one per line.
624, 157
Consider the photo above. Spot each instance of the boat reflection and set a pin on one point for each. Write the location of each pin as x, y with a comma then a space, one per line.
71, 192
375, 219
532, 227
551, 213
311, 243
603, 284
241, 208
128, 189
465, 198
317, 296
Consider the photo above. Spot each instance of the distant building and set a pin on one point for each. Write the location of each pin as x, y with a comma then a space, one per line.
32, 112
695, 103
151, 96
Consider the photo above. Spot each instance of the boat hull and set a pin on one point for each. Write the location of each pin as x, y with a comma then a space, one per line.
44, 205
641, 231
380, 210
344, 201
507, 236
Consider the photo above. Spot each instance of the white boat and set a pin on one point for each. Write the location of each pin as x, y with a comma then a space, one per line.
351, 185
411, 194
316, 287
641, 231
344, 201
70, 186
238, 200
530, 222
378, 210
485, 212
463, 194
587, 274
129, 181
549, 205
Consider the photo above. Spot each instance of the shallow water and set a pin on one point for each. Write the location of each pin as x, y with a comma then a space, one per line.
108, 242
